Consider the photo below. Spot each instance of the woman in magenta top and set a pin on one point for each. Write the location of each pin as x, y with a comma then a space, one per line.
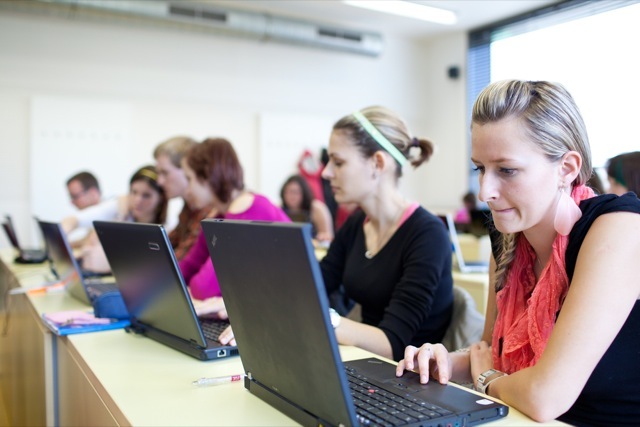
216, 178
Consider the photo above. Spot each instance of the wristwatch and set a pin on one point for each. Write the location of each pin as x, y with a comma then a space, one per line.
486, 378
335, 318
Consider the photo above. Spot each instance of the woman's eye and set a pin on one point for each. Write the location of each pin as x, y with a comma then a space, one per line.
507, 171
478, 169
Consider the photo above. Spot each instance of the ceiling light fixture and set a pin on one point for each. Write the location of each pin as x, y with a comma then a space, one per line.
408, 9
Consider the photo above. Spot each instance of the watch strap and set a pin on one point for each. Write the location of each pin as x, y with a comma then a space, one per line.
487, 377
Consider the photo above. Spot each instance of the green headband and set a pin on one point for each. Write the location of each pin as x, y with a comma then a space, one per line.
380, 138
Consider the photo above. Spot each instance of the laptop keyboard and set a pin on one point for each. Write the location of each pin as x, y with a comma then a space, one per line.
212, 328
377, 407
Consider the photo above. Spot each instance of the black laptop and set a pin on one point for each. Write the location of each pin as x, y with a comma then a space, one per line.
24, 255
66, 268
154, 290
277, 303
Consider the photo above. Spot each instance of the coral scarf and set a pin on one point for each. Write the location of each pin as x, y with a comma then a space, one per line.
527, 310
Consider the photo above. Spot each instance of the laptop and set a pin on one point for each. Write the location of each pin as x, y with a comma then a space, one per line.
463, 266
154, 290
277, 303
25, 256
65, 268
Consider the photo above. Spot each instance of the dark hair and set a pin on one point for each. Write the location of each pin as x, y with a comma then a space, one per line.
149, 175
307, 194
625, 169
86, 179
215, 161
595, 183
471, 199
392, 127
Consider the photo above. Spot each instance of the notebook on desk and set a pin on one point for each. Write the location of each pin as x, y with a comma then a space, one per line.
154, 290
463, 266
65, 267
277, 303
25, 255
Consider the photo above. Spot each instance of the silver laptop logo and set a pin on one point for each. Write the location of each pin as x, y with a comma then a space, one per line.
154, 246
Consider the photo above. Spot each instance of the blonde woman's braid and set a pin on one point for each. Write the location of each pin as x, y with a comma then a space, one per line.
507, 255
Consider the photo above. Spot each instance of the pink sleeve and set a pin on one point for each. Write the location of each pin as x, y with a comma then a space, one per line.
193, 260
204, 284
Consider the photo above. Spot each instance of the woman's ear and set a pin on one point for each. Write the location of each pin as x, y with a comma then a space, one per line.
570, 166
379, 160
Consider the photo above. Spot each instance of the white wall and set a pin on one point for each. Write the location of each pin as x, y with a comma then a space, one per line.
205, 85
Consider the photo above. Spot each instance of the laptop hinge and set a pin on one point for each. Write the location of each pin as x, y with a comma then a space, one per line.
135, 328
282, 404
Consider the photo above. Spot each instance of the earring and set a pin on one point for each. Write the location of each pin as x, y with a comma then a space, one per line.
567, 213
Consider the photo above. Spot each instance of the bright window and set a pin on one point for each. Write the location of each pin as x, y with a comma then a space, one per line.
589, 47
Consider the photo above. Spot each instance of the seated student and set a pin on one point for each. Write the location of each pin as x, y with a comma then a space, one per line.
462, 218
84, 190
216, 179
391, 255
145, 202
623, 173
563, 318
172, 179
300, 205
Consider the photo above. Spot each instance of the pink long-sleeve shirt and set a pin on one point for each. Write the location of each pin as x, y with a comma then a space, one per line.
196, 266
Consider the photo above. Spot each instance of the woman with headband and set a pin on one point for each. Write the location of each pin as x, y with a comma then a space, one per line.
146, 202
391, 256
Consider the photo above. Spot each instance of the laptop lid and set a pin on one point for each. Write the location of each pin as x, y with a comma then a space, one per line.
277, 303
11, 232
153, 289
25, 255
62, 262
463, 266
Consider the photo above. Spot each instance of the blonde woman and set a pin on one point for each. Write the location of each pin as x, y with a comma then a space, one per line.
561, 338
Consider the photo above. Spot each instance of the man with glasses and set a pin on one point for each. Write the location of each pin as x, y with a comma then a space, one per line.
84, 190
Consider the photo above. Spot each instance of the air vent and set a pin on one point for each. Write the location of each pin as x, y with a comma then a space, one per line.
225, 21
339, 34
187, 12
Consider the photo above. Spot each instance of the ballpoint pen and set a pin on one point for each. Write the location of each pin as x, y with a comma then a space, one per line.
205, 382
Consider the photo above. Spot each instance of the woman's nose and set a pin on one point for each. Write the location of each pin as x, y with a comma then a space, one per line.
488, 189
327, 172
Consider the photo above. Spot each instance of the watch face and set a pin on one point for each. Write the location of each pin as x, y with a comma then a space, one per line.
335, 318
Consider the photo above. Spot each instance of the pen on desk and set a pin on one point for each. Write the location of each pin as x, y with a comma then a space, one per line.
38, 289
205, 382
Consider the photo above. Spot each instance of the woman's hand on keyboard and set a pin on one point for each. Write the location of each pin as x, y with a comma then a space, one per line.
227, 337
430, 360
210, 307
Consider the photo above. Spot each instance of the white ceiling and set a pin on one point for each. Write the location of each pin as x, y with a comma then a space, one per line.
471, 14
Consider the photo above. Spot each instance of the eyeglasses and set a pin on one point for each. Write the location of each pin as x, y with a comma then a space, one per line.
76, 196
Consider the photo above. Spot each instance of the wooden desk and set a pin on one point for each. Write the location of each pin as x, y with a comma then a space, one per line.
115, 378
26, 355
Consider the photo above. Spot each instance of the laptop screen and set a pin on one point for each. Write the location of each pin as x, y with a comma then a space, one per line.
63, 264
148, 278
277, 304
